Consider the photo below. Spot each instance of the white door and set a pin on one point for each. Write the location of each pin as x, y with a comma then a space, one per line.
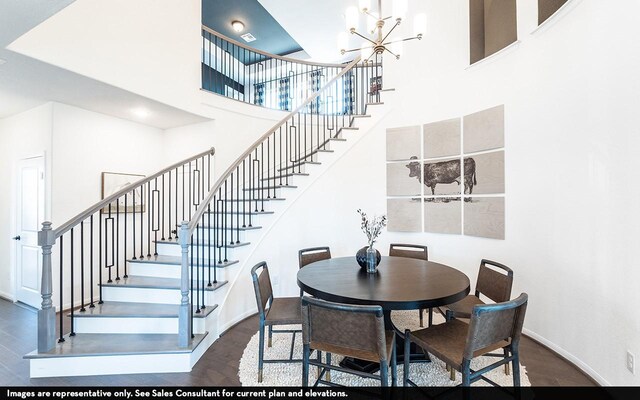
29, 218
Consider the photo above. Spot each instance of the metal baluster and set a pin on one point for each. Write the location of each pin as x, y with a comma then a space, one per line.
224, 223
125, 236
133, 221
244, 194
191, 286
117, 243
149, 212
106, 239
142, 221
201, 261
82, 309
99, 254
61, 290
209, 241
196, 277
231, 215
169, 206
238, 197
162, 208
72, 287
268, 163
177, 190
91, 262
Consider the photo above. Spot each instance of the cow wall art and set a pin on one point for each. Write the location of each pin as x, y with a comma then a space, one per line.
444, 173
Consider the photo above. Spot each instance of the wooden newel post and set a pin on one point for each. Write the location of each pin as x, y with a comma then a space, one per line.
184, 320
46, 315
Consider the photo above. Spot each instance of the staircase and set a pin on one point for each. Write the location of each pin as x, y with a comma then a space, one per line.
147, 292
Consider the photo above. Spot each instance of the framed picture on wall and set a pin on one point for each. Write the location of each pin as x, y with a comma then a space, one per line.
112, 182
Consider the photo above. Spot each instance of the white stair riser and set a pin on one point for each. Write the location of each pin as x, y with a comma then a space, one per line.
171, 271
155, 296
111, 365
175, 250
133, 325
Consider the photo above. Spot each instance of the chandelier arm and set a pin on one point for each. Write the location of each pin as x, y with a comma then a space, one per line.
391, 30
349, 51
364, 37
392, 53
401, 40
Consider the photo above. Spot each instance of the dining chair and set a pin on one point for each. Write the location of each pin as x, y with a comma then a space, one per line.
495, 283
491, 327
349, 330
273, 311
492, 283
412, 251
312, 254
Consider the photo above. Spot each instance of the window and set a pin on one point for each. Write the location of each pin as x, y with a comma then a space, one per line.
547, 8
492, 27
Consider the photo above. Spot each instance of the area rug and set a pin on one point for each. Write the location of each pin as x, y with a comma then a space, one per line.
290, 374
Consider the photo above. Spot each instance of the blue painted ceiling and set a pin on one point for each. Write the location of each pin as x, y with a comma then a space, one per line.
270, 36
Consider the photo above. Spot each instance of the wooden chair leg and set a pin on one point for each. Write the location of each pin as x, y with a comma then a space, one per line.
319, 359
421, 318
270, 335
452, 374
506, 366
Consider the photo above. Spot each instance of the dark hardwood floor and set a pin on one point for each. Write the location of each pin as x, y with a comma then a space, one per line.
219, 365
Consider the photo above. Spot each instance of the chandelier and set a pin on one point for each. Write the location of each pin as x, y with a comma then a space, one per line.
380, 42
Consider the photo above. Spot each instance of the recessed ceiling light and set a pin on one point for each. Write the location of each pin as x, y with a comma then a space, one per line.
237, 26
248, 37
140, 112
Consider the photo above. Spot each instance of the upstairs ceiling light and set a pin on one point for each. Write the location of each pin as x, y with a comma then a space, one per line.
237, 26
375, 23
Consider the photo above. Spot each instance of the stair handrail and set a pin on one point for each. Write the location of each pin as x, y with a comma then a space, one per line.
270, 55
223, 177
62, 229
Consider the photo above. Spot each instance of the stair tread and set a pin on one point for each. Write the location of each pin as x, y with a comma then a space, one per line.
253, 200
152, 282
285, 176
238, 212
203, 243
124, 309
246, 228
296, 165
270, 187
114, 344
175, 260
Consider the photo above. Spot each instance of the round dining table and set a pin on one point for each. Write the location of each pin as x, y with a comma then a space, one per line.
398, 284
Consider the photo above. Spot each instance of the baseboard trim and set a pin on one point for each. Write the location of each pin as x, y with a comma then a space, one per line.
568, 357
236, 321
7, 296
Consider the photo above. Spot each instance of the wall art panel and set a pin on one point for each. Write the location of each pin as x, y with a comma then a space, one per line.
443, 215
404, 215
484, 130
484, 216
403, 143
442, 138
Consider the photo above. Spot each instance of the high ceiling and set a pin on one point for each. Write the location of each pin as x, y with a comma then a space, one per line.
26, 83
270, 36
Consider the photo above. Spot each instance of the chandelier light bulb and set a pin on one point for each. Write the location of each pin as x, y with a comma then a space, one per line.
420, 25
364, 5
351, 18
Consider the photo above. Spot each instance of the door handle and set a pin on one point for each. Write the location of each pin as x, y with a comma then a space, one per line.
16, 238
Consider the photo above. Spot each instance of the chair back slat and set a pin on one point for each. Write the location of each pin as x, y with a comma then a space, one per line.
492, 323
313, 254
262, 286
409, 251
494, 284
350, 330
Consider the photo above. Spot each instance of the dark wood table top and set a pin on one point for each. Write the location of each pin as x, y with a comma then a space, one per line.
400, 283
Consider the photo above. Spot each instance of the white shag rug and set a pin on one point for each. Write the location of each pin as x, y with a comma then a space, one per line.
423, 374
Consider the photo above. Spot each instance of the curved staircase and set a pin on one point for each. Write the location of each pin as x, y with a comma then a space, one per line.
158, 312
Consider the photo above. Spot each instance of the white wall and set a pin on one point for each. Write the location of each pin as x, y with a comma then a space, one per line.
572, 222
24, 135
